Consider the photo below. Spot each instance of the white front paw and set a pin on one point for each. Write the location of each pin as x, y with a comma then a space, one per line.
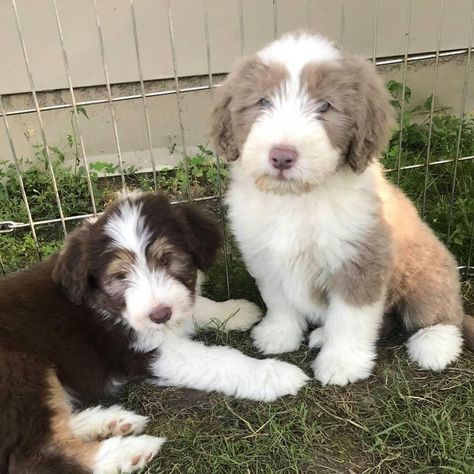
276, 379
123, 455
316, 338
240, 315
333, 367
271, 337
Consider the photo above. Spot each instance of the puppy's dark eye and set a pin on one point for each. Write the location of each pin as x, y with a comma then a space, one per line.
164, 261
264, 103
120, 276
322, 106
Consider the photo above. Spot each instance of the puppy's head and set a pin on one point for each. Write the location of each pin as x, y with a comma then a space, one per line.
138, 262
298, 111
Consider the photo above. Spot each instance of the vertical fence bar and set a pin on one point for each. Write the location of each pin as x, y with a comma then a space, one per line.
402, 107
241, 25
375, 34
469, 255
461, 119
308, 15
433, 93
275, 18
2, 267
74, 106
109, 93
218, 161
40, 118
343, 23
142, 87
178, 99
19, 176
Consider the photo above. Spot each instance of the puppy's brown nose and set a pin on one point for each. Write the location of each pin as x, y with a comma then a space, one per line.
160, 314
283, 157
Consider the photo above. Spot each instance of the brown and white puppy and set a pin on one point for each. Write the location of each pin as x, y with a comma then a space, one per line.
329, 240
117, 304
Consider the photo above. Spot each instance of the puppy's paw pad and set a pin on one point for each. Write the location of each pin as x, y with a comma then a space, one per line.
123, 455
271, 338
99, 423
331, 368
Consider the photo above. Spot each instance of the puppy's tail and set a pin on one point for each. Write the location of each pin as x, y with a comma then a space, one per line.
468, 331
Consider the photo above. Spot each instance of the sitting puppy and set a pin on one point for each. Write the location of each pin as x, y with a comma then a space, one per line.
329, 240
115, 305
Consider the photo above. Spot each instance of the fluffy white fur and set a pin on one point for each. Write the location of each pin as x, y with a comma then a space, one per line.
296, 51
287, 268
349, 338
118, 455
186, 363
435, 347
99, 422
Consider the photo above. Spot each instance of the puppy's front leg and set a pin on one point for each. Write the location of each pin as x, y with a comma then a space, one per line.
185, 363
348, 339
282, 329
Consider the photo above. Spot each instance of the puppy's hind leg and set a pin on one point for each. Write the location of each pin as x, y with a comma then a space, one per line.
117, 454
434, 314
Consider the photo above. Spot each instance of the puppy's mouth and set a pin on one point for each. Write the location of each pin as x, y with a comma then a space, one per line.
282, 175
282, 183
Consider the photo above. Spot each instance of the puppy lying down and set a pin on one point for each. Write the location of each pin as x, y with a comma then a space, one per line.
118, 303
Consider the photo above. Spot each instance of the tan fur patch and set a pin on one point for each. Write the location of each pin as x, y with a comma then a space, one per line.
122, 263
64, 440
424, 284
159, 249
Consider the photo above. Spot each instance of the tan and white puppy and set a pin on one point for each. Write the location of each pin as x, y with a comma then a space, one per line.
329, 240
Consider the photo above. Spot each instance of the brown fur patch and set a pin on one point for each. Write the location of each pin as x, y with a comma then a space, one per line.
236, 107
359, 119
70, 271
363, 279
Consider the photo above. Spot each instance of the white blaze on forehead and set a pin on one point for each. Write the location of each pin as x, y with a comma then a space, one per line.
295, 51
127, 229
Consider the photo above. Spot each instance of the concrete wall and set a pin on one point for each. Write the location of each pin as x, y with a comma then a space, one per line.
349, 23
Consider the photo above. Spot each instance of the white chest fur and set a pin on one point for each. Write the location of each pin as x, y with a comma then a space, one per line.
296, 242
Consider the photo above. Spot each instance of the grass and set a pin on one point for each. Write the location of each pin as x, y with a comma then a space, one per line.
401, 420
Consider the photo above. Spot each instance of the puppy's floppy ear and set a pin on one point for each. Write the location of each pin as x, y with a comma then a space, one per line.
202, 234
71, 268
373, 114
221, 123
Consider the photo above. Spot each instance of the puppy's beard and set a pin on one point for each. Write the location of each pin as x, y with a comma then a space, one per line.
282, 186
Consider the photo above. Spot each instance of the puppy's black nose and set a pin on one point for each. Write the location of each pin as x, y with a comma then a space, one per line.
160, 314
283, 157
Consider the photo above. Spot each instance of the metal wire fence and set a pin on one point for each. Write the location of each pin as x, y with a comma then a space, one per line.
11, 226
